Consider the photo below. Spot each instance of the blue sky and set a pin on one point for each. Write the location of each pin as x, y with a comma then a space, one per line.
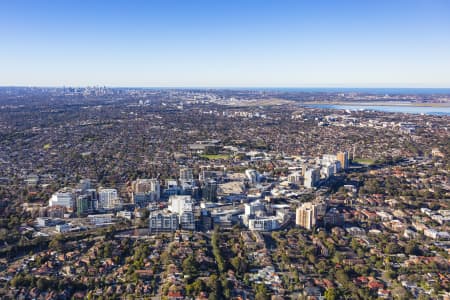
315, 43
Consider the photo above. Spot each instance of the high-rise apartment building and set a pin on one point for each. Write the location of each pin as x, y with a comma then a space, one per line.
306, 215
107, 198
186, 176
342, 157
183, 206
146, 191
312, 177
163, 222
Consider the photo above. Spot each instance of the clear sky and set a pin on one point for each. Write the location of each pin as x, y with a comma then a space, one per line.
212, 43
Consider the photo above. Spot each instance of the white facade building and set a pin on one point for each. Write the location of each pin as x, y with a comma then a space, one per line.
312, 176
65, 199
264, 224
186, 176
107, 198
98, 220
251, 209
252, 175
180, 204
295, 177
163, 222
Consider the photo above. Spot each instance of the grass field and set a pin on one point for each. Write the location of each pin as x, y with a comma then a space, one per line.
364, 161
215, 156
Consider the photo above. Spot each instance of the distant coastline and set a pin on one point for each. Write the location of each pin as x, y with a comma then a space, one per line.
378, 103
362, 90
442, 109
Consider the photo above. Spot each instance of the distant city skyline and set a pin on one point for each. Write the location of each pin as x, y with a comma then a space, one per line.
217, 44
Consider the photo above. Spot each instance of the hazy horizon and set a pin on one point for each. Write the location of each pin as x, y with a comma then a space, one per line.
312, 87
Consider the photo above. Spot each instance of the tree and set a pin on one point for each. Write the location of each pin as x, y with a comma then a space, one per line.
216, 250
227, 286
56, 243
145, 213
399, 292
342, 277
261, 292
412, 248
424, 297
235, 262
107, 251
190, 266
215, 286
322, 267
354, 244
330, 294
337, 258
239, 264
213, 296
42, 284
198, 286
392, 248
246, 279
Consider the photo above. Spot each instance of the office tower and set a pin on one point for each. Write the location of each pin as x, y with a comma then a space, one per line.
196, 193
328, 169
93, 199
187, 183
320, 208
210, 191
329, 158
82, 204
342, 157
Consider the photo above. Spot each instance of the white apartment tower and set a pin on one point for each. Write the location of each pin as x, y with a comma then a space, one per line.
107, 198
312, 176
